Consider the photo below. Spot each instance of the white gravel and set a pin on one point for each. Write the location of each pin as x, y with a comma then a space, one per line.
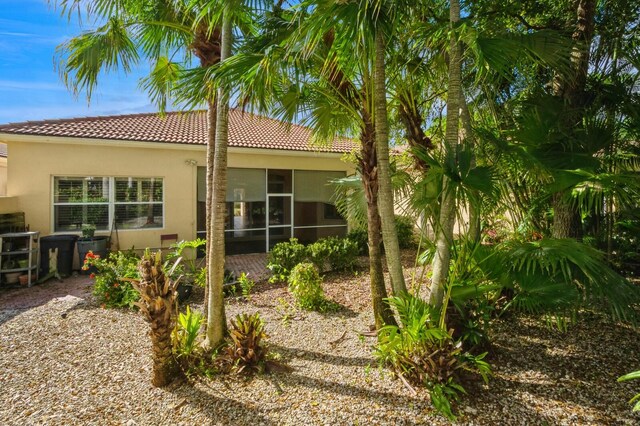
69, 362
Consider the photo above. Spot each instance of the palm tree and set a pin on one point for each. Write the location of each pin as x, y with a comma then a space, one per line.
158, 306
216, 253
385, 199
133, 32
444, 235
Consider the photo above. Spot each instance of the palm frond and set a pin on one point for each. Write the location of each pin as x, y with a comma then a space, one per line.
83, 58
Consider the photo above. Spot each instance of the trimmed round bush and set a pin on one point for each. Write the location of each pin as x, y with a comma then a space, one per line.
305, 284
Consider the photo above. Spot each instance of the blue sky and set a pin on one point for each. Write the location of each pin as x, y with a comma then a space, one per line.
31, 88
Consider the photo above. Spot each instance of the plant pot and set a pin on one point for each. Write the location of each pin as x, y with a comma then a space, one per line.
12, 277
23, 263
24, 279
184, 291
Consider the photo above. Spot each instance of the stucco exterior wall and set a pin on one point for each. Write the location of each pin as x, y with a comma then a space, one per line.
3, 176
35, 161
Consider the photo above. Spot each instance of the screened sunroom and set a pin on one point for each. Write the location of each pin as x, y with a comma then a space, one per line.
267, 206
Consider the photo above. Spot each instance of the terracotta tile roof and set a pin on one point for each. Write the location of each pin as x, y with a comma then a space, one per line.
245, 130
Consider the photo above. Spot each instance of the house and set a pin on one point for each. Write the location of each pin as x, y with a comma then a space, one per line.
3, 169
143, 176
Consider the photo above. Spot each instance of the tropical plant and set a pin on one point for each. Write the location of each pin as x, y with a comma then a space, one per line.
246, 350
424, 353
182, 259
186, 336
305, 284
632, 376
246, 284
542, 276
112, 286
158, 307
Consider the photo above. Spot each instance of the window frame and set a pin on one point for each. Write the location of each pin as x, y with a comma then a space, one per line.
111, 203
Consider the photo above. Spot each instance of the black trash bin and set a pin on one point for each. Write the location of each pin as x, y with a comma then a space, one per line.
66, 245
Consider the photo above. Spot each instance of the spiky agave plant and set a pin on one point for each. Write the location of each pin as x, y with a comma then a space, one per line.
246, 350
158, 306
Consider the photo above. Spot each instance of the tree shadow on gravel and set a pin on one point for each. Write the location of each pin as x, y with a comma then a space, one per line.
345, 389
578, 367
217, 409
289, 353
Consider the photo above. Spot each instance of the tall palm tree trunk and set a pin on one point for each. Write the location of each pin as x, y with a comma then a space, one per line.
383, 315
444, 235
385, 199
216, 321
467, 137
212, 112
567, 222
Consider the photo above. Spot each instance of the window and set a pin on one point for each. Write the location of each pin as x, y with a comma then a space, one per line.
132, 202
315, 215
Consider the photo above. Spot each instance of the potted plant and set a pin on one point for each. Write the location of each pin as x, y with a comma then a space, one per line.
91, 243
182, 264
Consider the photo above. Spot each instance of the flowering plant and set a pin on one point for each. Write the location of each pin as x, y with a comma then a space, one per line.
111, 287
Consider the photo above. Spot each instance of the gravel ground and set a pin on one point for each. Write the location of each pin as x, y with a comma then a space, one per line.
67, 361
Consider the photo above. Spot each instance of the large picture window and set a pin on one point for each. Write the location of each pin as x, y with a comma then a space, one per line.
132, 202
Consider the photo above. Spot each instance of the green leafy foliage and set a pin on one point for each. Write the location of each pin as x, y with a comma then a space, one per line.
425, 354
305, 284
112, 287
246, 284
404, 227
360, 238
246, 350
283, 257
632, 376
182, 260
186, 332
340, 253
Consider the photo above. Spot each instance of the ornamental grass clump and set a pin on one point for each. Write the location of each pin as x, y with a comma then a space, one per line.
158, 306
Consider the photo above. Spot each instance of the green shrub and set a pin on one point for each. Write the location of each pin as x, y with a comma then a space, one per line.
339, 253
342, 253
283, 257
360, 238
405, 230
111, 287
305, 284
318, 254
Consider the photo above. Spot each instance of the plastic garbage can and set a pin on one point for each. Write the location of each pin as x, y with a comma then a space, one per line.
66, 246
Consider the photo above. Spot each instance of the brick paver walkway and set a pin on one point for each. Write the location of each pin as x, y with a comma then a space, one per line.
254, 265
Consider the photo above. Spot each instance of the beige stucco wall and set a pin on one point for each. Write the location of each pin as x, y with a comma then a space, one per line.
8, 204
3, 176
35, 160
